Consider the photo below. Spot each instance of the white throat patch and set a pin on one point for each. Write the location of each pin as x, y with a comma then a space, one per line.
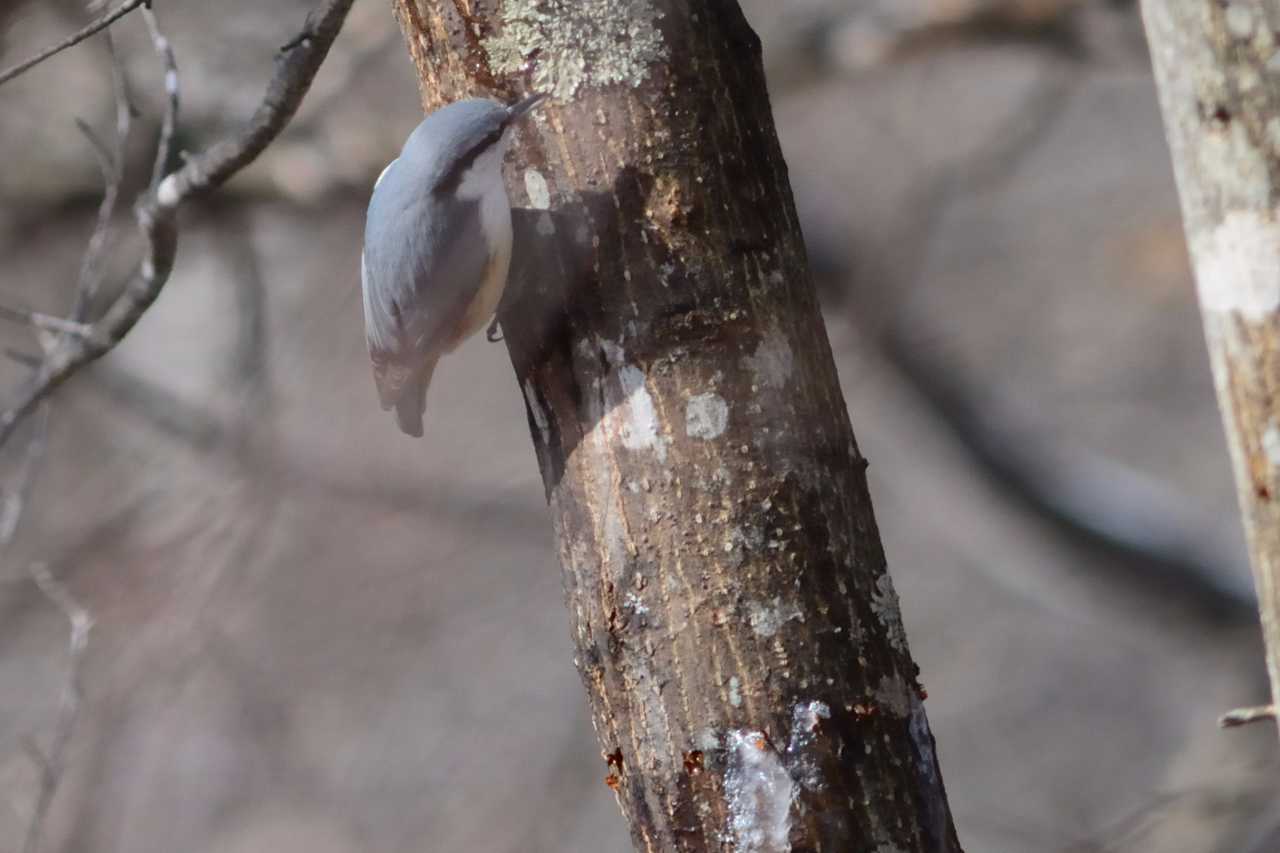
478, 180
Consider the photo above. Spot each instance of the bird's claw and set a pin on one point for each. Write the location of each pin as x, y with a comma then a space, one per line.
492, 333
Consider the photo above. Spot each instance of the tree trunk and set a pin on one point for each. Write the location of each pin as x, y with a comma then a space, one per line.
1218, 72
735, 626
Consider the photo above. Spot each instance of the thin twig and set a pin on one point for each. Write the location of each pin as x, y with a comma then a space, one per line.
162, 47
19, 486
24, 358
68, 333
111, 163
72, 40
54, 761
101, 153
302, 37
45, 322
337, 82
1244, 716
157, 212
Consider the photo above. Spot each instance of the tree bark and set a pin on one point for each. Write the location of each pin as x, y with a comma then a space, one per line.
1217, 67
735, 625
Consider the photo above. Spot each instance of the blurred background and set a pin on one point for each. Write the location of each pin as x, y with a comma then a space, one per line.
314, 635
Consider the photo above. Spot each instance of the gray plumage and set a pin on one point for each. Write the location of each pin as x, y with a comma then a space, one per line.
437, 245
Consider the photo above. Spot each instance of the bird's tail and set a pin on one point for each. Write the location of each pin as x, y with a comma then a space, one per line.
413, 402
410, 406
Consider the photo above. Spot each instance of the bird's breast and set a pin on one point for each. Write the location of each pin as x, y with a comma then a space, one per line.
495, 225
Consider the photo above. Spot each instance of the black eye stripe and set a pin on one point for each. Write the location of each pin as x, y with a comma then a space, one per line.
453, 177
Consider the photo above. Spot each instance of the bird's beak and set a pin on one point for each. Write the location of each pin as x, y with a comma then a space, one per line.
521, 107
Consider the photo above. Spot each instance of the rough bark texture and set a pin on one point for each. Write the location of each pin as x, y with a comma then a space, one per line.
734, 622
1217, 67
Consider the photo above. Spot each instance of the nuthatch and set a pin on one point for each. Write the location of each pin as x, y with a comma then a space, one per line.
437, 247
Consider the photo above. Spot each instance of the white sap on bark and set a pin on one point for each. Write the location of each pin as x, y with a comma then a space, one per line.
1238, 265
772, 361
762, 785
760, 792
706, 416
536, 187
632, 416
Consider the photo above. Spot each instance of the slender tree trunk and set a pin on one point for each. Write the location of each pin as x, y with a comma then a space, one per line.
735, 626
1217, 66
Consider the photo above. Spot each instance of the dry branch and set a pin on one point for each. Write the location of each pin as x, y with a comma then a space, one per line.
1244, 716
733, 620
72, 343
17, 490
53, 761
72, 40
111, 164
156, 213
1219, 87
164, 50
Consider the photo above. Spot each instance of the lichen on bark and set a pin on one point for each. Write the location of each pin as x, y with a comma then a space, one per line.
576, 43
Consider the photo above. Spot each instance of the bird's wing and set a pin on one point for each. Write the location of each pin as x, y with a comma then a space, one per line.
423, 262
382, 333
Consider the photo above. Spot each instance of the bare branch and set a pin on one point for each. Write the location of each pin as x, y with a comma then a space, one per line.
111, 162
303, 35
1232, 236
164, 148
45, 322
295, 69
339, 77
24, 358
100, 151
71, 343
1244, 716
72, 40
53, 762
15, 493
157, 211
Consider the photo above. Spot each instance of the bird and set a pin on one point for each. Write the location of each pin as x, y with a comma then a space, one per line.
437, 247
